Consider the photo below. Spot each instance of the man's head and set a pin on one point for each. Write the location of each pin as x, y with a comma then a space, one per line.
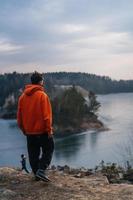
37, 78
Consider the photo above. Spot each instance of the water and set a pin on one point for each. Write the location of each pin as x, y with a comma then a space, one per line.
84, 149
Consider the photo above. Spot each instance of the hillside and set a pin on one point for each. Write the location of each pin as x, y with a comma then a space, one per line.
13, 83
14, 185
90, 82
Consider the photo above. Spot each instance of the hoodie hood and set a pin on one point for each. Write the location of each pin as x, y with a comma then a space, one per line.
32, 88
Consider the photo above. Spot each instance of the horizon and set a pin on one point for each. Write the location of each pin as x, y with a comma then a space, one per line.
67, 72
67, 35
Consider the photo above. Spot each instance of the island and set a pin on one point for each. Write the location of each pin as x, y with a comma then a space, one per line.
72, 95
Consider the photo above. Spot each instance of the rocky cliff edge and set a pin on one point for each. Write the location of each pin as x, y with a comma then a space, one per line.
15, 185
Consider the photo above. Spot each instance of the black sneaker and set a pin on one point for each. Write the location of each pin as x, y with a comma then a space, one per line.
40, 174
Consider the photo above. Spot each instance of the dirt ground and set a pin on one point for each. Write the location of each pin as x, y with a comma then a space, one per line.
15, 185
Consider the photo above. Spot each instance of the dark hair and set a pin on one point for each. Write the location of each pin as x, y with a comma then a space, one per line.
22, 155
36, 77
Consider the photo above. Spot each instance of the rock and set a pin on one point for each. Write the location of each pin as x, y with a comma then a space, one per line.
120, 175
53, 167
128, 175
79, 175
66, 169
6, 194
15, 182
18, 186
97, 180
60, 168
81, 172
89, 172
74, 171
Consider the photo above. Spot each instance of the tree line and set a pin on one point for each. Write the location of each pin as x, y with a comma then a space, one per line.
11, 83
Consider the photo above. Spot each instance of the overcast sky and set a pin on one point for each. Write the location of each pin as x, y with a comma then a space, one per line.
93, 36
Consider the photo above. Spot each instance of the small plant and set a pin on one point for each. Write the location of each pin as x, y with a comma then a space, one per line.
112, 171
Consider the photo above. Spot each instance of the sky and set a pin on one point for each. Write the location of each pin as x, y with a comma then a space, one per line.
92, 36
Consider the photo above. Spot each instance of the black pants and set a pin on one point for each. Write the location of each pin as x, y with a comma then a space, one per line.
25, 168
36, 143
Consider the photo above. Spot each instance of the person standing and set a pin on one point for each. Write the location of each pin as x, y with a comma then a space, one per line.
23, 163
34, 117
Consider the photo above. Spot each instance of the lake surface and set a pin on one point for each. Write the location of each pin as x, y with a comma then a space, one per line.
84, 149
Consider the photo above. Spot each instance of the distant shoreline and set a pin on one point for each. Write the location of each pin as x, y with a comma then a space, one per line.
68, 131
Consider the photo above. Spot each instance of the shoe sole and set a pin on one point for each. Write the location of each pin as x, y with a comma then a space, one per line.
43, 179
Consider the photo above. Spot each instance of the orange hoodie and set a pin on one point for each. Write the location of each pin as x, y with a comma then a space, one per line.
34, 114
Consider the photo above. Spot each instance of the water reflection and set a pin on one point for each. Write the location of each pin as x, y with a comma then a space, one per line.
69, 146
86, 149
93, 139
12, 124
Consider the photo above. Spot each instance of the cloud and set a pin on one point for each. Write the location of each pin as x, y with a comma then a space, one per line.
8, 47
67, 35
70, 28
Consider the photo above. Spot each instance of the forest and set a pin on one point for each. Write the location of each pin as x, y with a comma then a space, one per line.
13, 83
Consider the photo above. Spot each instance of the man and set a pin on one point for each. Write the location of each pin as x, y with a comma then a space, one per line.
34, 118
